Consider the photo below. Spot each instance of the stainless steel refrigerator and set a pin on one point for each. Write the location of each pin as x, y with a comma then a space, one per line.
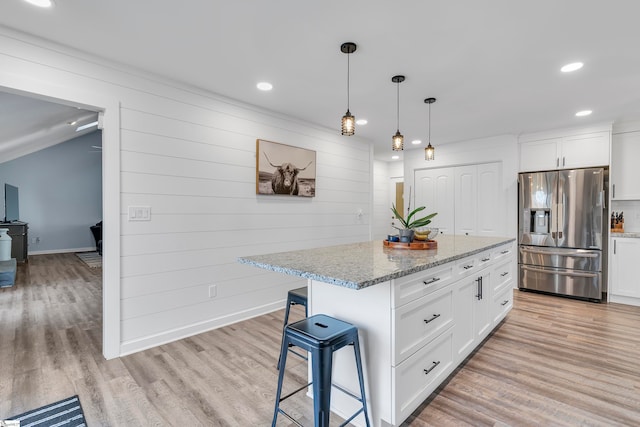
563, 223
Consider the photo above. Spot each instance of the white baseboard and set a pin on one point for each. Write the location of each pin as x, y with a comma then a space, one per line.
134, 346
63, 251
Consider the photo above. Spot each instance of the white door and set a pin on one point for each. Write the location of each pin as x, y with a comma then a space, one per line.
466, 196
490, 215
434, 189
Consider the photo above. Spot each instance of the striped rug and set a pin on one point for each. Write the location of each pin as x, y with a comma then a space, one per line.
65, 413
92, 259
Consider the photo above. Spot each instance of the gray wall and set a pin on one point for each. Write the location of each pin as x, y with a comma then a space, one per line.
60, 191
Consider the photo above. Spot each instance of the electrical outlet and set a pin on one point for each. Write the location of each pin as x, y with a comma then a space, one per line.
37, 240
213, 291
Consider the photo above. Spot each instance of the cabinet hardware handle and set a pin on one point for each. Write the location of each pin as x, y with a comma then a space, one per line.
563, 161
466, 267
435, 279
504, 274
614, 191
435, 316
557, 161
426, 371
504, 252
479, 294
505, 302
485, 259
614, 246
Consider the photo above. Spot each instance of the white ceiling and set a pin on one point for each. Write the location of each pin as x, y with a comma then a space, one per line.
28, 124
493, 65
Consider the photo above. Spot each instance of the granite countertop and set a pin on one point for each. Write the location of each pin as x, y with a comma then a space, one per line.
358, 265
626, 234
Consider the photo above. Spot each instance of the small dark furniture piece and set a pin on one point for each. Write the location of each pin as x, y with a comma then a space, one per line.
96, 230
19, 232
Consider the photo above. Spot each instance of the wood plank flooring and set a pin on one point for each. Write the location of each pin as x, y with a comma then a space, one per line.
553, 362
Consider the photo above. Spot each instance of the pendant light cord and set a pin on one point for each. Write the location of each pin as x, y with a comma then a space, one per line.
429, 142
348, 79
398, 106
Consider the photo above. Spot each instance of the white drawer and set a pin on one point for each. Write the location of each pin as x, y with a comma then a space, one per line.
418, 376
503, 276
504, 251
414, 286
417, 323
502, 304
466, 266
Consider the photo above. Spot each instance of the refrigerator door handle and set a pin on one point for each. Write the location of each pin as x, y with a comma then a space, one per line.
559, 234
574, 273
553, 234
572, 254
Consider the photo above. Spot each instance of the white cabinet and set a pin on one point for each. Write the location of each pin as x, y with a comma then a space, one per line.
625, 173
468, 199
539, 155
565, 152
473, 312
416, 329
624, 286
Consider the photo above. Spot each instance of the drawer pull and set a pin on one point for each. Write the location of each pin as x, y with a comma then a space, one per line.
504, 252
485, 259
435, 316
505, 302
466, 267
435, 279
504, 274
426, 371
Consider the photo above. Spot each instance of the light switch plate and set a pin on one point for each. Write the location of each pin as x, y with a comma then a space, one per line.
139, 213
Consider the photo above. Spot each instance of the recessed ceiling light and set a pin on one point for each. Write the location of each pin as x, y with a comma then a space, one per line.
87, 126
583, 113
416, 142
264, 86
395, 157
41, 3
571, 67
361, 122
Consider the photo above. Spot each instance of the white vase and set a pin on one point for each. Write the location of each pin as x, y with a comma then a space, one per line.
5, 245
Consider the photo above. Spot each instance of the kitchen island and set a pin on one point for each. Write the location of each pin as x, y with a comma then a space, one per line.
419, 313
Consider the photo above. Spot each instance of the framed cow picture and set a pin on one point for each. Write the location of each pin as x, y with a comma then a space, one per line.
285, 170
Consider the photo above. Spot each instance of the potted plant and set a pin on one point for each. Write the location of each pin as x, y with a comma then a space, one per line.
410, 224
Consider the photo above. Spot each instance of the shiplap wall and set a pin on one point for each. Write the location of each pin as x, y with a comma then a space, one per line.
190, 156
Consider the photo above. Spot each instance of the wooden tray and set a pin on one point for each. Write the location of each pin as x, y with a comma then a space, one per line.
416, 244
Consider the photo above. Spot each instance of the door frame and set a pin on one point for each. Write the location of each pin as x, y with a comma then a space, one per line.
109, 110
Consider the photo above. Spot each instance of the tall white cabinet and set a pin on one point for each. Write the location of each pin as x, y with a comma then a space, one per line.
625, 173
466, 198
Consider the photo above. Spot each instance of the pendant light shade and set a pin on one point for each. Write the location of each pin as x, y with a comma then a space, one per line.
397, 141
429, 151
348, 120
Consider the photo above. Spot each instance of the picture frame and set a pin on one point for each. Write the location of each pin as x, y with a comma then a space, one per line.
285, 170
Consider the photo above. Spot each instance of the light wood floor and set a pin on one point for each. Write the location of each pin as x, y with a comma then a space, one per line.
553, 362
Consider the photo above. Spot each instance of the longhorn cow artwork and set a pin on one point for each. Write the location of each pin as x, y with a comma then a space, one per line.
284, 169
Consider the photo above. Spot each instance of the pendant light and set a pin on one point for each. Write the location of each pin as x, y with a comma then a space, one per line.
348, 120
397, 141
429, 151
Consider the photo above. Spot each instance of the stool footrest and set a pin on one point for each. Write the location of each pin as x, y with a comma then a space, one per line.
294, 392
293, 420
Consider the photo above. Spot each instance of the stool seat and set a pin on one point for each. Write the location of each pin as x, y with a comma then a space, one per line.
321, 330
321, 336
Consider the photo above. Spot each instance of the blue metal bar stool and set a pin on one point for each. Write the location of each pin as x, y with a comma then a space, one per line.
294, 297
321, 335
